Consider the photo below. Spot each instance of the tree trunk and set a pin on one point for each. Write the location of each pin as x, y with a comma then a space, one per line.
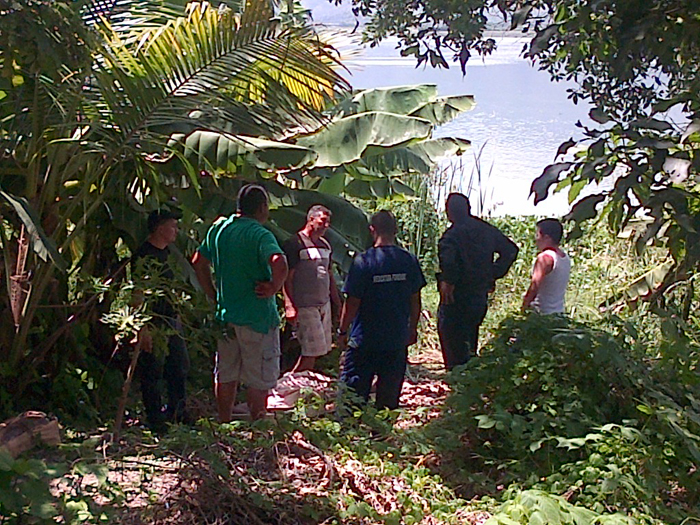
19, 279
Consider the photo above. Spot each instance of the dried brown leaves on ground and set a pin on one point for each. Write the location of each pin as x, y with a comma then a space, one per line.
263, 474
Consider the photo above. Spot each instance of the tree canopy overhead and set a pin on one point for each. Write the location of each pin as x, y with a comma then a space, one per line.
635, 62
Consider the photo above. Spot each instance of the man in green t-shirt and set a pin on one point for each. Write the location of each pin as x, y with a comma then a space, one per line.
249, 269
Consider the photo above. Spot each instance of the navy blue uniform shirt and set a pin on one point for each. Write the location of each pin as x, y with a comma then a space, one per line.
384, 279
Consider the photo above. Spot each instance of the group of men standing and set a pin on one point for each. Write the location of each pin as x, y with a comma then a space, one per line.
241, 267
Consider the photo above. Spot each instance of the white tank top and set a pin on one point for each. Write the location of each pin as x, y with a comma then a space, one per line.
550, 296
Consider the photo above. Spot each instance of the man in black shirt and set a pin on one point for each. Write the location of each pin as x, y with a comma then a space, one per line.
153, 255
469, 269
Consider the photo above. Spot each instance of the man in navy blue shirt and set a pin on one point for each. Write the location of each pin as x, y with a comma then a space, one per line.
383, 304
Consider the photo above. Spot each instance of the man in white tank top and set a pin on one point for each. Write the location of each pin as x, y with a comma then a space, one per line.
550, 274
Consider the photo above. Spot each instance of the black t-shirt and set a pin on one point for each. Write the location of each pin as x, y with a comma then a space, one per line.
161, 306
311, 264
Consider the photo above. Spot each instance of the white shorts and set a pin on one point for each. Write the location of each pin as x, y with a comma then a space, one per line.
249, 357
314, 330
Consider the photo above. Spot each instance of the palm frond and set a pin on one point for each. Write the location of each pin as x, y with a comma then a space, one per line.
254, 74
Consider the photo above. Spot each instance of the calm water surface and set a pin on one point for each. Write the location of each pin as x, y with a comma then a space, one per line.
519, 121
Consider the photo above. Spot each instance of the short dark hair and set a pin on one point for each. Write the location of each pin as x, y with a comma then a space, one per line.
250, 198
318, 209
552, 228
158, 217
458, 206
383, 222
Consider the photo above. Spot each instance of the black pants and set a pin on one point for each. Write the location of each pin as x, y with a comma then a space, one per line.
171, 366
362, 364
458, 326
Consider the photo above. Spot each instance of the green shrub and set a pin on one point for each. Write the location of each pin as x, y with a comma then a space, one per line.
570, 409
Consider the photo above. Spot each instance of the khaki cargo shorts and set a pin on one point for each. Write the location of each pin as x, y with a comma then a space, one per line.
249, 357
314, 330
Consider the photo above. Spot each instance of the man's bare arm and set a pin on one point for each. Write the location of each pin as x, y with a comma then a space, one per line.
290, 309
544, 264
350, 309
416, 306
202, 269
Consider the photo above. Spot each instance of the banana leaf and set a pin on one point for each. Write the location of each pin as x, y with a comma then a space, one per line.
444, 109
346, 140
218, 152
416, 101
402, 100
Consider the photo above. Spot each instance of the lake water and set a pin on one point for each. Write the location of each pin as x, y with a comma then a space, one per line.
520, 119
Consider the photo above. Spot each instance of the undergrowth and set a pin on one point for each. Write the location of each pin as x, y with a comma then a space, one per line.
583, 420
573, 410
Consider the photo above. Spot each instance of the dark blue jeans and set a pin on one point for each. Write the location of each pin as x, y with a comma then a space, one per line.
171, 366
361, 365
458, 326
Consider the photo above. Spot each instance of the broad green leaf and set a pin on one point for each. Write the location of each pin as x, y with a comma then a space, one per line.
585, 208
333, 185
540, 41
37, 494
444, 109
485, 421
520, 16
536, 445
581, 515
599, 116
550, 175
645, 409
401, 189
651, 123
42, 244
44, 510
370, 189
346, 140
653, 143
564, 147
216, 151
99, 471
648, 282
576, 189
421, 157
402, 100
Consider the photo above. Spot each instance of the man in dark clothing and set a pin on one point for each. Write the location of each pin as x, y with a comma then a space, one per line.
469, 269
173, 364
383, 304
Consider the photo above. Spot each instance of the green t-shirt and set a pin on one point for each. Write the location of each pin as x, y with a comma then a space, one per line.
239, 249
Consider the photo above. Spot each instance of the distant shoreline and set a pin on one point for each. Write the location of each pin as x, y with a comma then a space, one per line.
489, 33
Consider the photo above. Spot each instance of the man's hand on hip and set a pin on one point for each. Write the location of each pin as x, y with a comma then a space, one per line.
265, 289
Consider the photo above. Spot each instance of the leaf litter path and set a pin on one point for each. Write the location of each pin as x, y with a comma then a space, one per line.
289, 482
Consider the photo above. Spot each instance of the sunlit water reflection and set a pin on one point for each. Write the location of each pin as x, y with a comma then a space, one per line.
520, 119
